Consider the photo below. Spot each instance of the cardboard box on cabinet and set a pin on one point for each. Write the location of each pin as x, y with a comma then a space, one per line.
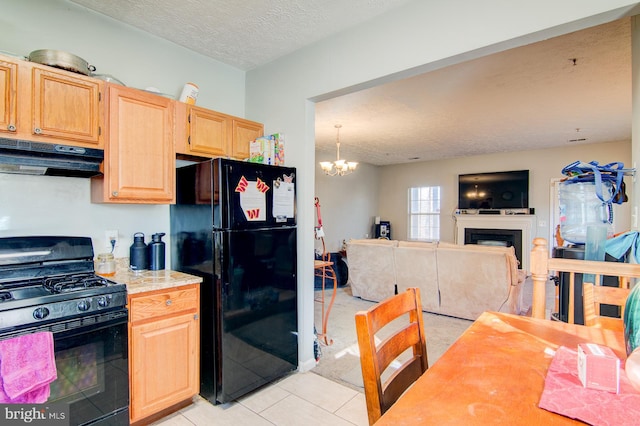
267, 150
260, 151
277, 140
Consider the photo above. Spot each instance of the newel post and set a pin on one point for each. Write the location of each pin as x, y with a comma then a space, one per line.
539, 276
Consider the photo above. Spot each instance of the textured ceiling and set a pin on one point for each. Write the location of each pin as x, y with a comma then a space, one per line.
531, 97
242, 33
526, 98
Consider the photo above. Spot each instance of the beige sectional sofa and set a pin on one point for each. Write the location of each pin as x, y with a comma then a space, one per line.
455, 280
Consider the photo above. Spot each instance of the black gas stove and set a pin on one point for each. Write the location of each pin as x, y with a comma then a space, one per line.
46, 279
48, 284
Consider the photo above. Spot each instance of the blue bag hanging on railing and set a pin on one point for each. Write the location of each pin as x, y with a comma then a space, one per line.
586, 197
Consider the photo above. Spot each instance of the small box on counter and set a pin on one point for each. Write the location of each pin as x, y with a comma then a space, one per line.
598, 367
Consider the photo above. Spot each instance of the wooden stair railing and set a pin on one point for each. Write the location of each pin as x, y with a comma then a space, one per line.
543, 266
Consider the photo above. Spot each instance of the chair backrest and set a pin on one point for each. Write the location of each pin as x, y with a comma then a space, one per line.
381, 388
594, 295
542, 266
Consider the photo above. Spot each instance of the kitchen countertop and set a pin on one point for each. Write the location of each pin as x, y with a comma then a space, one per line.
143, 281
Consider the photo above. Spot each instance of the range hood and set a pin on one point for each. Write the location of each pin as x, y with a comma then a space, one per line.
37, 158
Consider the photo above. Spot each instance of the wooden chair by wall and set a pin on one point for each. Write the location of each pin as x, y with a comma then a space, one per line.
381, 393
543, 266
595, 295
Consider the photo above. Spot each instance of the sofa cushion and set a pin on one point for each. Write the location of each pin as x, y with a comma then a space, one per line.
371, 270
416, 267
472, 281
376, 241
418, 244
510, 252
476, 246
448, 245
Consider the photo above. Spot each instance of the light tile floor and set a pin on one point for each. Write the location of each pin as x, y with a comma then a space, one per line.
304, 398
298, 399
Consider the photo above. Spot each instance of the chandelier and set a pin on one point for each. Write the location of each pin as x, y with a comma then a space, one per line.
338, 167
476, 194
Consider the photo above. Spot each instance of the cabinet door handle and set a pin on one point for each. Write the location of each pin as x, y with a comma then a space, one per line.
11, 128
168, 302
114, 193
37, 130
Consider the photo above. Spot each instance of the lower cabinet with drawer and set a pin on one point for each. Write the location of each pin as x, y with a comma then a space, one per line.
164, 350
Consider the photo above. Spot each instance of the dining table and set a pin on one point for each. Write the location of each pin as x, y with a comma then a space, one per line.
495, 373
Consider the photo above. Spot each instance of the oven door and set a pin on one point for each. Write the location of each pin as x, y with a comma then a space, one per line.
91, 355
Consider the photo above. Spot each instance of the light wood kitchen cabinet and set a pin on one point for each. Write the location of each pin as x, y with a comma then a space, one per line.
243, 132
210, 134
8, 89
139, 158
46, 104
205, 132
164, 349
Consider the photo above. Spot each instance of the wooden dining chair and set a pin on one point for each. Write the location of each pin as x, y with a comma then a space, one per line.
595, 295
382, 388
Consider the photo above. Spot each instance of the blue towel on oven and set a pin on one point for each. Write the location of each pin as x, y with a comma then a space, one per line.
27, 366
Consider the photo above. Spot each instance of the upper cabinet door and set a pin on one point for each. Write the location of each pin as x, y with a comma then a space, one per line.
201, 132
8, 91
244, 131
139, 164
66, 106
208, 132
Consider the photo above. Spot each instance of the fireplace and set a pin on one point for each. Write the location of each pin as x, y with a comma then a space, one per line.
495, 237
515, 230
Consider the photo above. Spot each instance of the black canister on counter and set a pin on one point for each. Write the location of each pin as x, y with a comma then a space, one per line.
156, 252
138, 256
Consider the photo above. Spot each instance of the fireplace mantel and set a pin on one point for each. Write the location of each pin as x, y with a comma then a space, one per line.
523, 222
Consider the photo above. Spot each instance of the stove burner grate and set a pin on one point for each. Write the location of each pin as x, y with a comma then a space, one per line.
69, 283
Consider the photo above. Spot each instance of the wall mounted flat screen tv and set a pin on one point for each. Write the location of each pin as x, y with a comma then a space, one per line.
495, 190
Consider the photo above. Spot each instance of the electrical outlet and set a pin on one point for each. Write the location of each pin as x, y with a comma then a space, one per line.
111, 235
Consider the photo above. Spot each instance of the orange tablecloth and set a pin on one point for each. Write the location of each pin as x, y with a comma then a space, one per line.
494, 374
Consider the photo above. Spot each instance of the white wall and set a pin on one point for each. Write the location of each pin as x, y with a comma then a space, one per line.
414, 38
348, 204
31, 205
543, 165
136, 58
46, 205
635, 111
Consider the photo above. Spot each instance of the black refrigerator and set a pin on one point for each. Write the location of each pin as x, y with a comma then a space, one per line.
234, 224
